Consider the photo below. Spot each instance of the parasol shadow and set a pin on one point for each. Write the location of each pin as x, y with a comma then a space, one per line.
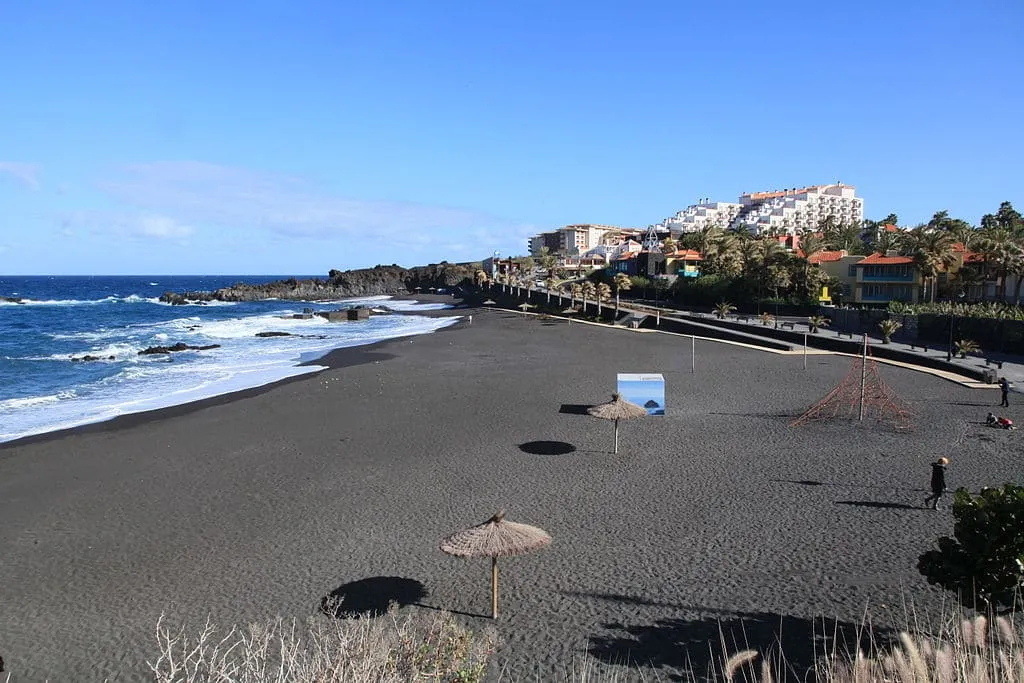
547, 447
371, 597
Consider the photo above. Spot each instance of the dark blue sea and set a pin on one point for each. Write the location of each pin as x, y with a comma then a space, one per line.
43, 389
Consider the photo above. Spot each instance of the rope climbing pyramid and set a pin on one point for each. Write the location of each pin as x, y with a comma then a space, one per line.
861, 396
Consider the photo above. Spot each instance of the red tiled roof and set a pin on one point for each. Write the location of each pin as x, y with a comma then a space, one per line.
889, 227
881, 259
692, 254
628, 255
825, 256
973, 257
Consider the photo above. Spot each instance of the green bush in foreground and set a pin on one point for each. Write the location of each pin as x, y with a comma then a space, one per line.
984, 562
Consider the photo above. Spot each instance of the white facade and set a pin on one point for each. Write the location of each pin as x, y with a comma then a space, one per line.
614, 251
786, 211
792, 211
696, 217
575, 239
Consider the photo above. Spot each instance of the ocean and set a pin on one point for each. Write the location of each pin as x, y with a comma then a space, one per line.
113, 318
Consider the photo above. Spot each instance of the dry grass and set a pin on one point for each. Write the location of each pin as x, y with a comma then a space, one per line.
964, 652
387, 649
434, 647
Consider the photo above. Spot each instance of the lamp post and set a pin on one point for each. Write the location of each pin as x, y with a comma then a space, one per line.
952, 320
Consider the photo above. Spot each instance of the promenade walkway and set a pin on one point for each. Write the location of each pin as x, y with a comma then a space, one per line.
960, 370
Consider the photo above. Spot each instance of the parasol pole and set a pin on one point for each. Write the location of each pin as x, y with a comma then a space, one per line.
616, 437
494, 588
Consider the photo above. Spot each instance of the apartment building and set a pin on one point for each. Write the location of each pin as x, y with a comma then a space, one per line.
794, 210
787, 211
881, 279
697, 217
572, 240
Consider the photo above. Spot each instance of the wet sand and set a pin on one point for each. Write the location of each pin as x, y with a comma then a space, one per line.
259, 504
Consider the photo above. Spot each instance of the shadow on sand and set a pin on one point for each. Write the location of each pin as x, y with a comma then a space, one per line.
696, 649
371, 597
573, 409
814, 482
878, 504
547, 447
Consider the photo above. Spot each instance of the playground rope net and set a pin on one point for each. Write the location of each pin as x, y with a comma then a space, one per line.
861, 396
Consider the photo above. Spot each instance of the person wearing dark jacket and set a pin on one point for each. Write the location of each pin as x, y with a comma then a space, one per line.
1004, 387
938, 483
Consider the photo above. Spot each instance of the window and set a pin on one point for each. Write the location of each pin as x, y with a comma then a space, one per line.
852, 271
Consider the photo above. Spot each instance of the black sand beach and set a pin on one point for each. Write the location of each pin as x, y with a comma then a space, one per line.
260, 505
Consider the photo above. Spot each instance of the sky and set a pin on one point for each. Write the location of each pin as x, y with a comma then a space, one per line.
295, 137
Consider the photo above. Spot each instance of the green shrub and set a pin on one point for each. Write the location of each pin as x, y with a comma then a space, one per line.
984, 561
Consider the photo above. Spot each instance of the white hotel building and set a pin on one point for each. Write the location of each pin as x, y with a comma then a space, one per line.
784, 211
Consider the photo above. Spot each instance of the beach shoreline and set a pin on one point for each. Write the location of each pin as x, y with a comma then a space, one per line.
329, 359
262, 503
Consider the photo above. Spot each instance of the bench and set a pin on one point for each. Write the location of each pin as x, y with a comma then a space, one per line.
789, 325
743, 318
840, 333
998, 363
924, 347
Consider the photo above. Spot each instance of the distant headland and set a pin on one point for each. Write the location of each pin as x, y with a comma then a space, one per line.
376, 281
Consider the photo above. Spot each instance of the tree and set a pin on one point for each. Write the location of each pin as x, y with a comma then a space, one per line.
588, 290
547, 260
932, 251
984, 561
668, 246
999, 249
550, 283
886, 241
603, 292
723, 308
575, 292
622, 283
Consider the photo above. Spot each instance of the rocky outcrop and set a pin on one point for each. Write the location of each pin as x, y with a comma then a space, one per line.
12, 300
273, 334
180, 346
375, 281
87, 358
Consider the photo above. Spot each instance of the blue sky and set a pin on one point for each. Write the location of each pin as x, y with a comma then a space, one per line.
295, 137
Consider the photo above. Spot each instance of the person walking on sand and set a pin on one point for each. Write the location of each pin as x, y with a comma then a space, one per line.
938, 483
1004, 387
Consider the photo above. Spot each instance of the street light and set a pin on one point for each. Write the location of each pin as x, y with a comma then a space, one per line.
952, 319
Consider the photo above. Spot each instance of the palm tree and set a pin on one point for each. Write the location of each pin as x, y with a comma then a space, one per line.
480, 276
603, 292
723, 308
549, 284
932, 251
622, 283
886, 241
575, 292
999, 249
588, 293
668, 246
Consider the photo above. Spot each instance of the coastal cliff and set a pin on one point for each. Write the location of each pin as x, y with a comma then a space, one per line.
374, 281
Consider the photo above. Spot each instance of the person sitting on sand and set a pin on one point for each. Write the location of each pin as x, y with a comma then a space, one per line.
1001, 422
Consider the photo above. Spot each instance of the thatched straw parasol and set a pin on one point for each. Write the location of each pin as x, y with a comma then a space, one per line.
525, 307
617, 409
490, 302
495, 538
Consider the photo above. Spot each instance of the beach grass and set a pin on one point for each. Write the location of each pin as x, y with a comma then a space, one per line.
436, 647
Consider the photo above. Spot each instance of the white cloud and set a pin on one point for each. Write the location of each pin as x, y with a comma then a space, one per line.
226, 199
27, 174
132, 226
162, 227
